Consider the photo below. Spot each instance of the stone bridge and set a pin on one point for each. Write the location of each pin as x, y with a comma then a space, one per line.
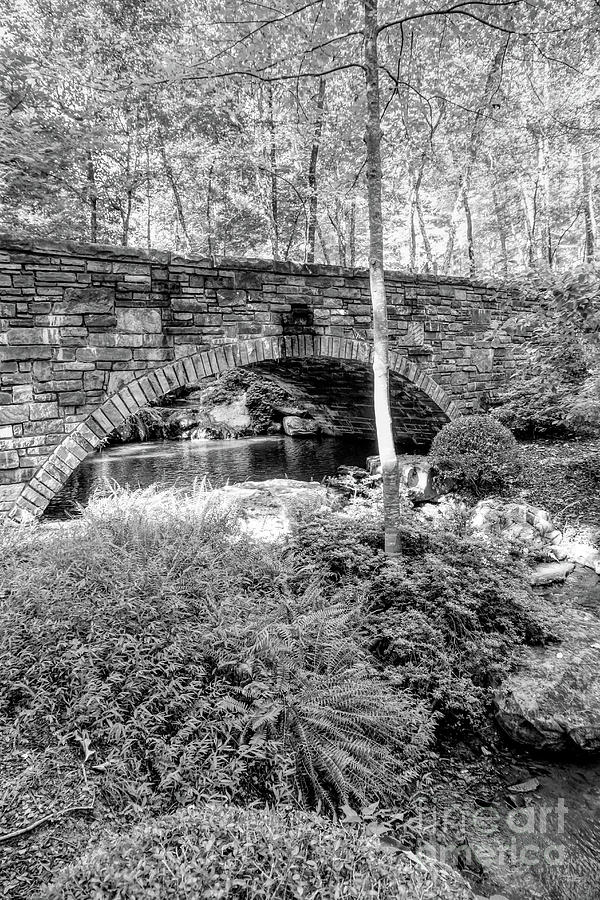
91, 334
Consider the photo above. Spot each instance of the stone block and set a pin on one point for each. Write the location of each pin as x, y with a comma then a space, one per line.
38, 411
9, 459
139, 321
85, 299
13, 414
71, 398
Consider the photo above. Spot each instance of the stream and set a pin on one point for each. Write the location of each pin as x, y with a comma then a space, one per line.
181, 463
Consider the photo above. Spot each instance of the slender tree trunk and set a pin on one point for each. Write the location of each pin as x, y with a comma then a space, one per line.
309, 250
416, 213
324, 250
587, 201
209, 226
126, 211
449, 253
464, 182
469, 224
352, 234
544, 184
148, 203
412, 229
92, 197
274, 199
529, 216
425, 237
168, 170
383, 417
499, 212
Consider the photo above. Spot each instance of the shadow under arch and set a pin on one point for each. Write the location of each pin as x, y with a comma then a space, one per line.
190, 370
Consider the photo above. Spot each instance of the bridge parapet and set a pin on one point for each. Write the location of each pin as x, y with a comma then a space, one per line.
79, 322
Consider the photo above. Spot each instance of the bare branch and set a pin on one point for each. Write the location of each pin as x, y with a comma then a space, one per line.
457, 7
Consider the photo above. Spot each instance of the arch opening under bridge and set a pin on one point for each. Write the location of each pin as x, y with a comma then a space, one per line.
411, 389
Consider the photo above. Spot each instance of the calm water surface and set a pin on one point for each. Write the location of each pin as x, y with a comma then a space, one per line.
180, 463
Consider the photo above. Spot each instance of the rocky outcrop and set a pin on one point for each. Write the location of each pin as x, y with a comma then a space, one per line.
552, 703
517, 522
239, 404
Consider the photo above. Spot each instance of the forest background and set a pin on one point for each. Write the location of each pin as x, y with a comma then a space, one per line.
124, 122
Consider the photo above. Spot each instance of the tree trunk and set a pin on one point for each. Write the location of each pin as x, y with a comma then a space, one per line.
148, 200
274, 200
412, 229
324, 250
469, 224
500, 213
209, 228
492, 85
447, 261
431, 266
544, 184
352, 234
126, 217
383, 417
529, 217
309, 251
587, 201
92, 198
176, 195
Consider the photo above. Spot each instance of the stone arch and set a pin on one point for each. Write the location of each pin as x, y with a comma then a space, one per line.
153, 384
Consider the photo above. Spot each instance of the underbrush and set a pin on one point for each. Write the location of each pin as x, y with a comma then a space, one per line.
195, 663
219, 851
444, 623
190, 664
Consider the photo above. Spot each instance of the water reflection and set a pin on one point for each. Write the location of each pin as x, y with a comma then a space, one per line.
167, 463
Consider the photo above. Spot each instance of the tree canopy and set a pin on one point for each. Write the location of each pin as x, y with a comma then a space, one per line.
118, 125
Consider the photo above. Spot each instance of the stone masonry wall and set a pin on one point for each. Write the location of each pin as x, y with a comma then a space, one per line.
77, 322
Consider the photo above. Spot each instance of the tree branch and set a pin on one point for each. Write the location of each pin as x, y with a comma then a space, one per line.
458, 7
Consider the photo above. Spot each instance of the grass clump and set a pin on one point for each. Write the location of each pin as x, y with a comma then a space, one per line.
219, 851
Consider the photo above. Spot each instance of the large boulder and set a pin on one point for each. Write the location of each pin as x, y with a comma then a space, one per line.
552, 703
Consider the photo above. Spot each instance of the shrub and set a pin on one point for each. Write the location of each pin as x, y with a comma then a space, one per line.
443, 622
194, 662
254, 854
477, 453
447, 624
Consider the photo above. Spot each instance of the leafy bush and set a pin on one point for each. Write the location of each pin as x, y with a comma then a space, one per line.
443, 622
477, 453
194, 662
555, 391
224, 851
447, 624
